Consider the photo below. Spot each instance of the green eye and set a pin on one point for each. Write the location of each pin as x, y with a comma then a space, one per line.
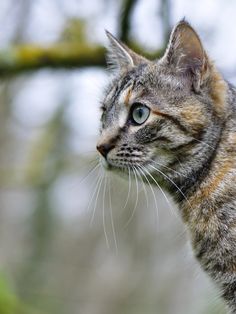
140, 114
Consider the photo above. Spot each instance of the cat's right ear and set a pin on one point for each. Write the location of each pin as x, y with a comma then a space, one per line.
186, 55
119, 56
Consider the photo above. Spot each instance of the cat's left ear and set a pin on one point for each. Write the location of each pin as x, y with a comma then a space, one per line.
185, 54
120, 57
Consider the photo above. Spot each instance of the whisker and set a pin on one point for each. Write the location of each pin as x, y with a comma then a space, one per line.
159, 164
202, 142
90, 172
136, 202
180, 163
168, 178
153, 193
144, 187
96, 199
162, 191
103, 214
111, 215
128, 195
95, 186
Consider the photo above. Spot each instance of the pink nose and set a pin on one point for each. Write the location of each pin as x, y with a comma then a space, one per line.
105, 148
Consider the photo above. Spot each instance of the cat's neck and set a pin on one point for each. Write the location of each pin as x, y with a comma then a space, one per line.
208, 208
205, 166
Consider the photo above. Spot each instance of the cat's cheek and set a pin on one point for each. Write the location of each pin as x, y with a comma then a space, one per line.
133, 129
160, 156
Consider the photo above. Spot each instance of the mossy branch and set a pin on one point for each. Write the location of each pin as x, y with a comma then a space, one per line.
32, 57
18, 59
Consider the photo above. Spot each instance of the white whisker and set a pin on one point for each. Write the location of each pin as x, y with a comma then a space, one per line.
89, 172
95, 186
180, 163
162, 191
103, 213
166, 167
169, 179
128, 195
202, 142
136, 202
111, 215
144, 186
153, 193
98, 188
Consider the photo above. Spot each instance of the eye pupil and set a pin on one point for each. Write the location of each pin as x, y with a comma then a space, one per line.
139, 114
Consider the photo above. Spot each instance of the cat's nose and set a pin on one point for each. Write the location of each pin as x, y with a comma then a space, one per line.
105, 148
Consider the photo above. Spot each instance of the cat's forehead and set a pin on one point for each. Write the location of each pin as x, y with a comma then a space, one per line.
136, 77
146, 79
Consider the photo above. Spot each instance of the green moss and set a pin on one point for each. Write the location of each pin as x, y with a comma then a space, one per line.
61, 55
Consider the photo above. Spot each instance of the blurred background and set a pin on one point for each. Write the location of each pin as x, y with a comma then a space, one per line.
72, 241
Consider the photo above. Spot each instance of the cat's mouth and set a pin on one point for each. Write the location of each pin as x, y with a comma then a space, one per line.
121, 166
111, 166
106, 165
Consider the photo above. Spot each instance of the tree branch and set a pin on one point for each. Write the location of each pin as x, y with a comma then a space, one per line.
18, 59
31, 57
128, 6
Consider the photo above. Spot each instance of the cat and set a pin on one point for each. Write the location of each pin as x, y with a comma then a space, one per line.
173, 120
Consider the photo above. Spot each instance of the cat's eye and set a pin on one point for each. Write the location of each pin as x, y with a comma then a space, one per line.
139, 114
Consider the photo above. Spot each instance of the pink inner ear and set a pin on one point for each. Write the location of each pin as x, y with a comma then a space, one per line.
191, 45
185, 55
185, 51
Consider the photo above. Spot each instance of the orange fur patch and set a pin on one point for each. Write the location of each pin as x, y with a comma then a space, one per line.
218, 91
127, 97
232, 138
218, 177
203, 194
193, 116
206, 224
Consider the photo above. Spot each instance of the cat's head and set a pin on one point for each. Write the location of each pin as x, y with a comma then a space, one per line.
155, 113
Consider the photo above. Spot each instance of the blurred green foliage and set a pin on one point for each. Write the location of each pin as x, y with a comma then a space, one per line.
8, 301
61, 266
74, 31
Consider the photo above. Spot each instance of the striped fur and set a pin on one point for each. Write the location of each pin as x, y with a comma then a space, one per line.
188, 142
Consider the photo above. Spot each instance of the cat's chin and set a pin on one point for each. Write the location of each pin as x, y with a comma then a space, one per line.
110, 167
120, 169
106, 164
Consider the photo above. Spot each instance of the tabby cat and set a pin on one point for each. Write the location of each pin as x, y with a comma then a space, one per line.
174, 120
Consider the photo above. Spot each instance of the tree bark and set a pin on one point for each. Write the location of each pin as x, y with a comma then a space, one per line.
21, 58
